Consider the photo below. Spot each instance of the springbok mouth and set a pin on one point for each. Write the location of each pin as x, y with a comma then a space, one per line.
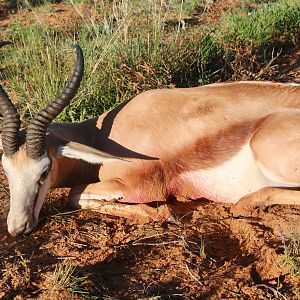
29, 227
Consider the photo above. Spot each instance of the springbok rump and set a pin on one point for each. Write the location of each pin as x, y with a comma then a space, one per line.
235, 143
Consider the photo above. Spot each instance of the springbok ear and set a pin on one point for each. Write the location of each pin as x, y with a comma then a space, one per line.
86, 153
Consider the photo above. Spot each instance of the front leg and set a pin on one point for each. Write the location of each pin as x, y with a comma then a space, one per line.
105, 197
104, 190
263, 198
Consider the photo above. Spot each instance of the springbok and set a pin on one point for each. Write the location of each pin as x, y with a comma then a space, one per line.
234, 143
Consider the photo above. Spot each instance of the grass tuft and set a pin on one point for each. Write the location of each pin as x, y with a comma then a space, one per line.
291, 256
67, 278
267, 24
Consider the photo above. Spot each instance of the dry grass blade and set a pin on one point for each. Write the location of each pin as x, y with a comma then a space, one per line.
276, 293
66, 276
193, 276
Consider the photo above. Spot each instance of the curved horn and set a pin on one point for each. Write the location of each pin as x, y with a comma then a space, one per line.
11, 120
3, 43
36, 131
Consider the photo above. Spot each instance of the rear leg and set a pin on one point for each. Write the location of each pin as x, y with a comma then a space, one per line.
264, 198
276, 149
105, 197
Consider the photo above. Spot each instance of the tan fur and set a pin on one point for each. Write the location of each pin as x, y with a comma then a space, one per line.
220, 141
165, 133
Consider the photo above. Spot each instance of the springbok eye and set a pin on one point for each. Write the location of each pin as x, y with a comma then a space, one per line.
43, 176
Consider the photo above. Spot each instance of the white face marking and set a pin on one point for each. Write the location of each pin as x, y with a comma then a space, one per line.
230, 181
29, 181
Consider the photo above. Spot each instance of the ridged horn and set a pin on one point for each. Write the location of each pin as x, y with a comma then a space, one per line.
36, 131
11, 120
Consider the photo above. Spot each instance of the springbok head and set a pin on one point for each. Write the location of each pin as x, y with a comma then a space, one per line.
26, 159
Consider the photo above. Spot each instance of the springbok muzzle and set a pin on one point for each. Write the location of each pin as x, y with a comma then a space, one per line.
22, 223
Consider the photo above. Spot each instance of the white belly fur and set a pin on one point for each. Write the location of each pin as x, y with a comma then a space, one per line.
230, 181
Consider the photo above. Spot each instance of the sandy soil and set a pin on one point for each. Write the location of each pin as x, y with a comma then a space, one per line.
206, 254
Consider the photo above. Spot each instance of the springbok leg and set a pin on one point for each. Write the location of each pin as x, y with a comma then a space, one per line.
103, 196
276, 149
264, 198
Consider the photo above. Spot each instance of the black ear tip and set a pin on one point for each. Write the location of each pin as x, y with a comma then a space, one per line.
3, 43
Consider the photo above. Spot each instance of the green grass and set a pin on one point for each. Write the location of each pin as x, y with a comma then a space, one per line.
252, 40
271, 22
291, 255
130, 48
